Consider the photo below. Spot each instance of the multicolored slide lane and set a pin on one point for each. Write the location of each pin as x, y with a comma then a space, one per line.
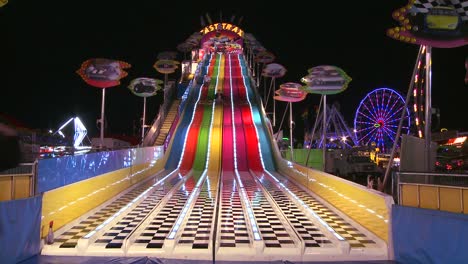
221, 197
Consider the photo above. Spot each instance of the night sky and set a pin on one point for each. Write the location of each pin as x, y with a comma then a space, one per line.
43, 43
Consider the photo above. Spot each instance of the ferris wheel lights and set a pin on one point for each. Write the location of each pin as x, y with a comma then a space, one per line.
343, 138
377, 118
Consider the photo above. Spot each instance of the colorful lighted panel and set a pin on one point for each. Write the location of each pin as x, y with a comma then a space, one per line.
441, 24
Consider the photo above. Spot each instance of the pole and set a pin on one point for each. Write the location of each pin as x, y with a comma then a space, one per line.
281, 124
101, 144
313, 133
165, 80
324, 131
264, 91
143, 121
290, 131
258, 74
274, 102
400, 124
428, 110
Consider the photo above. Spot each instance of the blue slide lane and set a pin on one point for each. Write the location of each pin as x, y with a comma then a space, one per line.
265, 144
181, 132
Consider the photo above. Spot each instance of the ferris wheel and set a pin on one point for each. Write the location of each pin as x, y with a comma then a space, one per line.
377, 118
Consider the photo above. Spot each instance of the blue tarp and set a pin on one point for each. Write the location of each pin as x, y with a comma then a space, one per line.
20, 222
429, 236
58, 172
153, 260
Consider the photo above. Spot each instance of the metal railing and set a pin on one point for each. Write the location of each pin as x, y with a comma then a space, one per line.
23, 170
153, 132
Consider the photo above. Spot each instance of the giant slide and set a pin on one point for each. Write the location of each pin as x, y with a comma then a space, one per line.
221, 195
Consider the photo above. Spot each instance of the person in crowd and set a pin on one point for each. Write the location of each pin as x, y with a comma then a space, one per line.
219, 97
370, 181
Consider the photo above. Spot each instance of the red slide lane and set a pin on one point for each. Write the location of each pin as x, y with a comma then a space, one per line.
243, 109
228, 143
191, 141
241, 152
194, 130
253, 156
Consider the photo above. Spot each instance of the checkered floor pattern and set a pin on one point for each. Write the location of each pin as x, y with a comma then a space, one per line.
310, 233
273, 231
69, 239
460, 6
156, 232
355, 238
115, 236
233, 227
198, 228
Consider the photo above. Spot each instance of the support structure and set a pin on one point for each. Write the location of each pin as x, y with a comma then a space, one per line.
101, 141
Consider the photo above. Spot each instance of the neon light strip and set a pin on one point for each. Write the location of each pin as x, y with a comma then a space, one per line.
152, 163
243, 193
191, 121
195, 190
346, 197
301, 202
307, 208
108, 220
80, 132
186, 207
251, 111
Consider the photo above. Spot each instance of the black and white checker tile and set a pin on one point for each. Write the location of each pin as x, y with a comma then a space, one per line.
233, 228
311, 234
272, 230
69, 239
460, 6
158, 229
355, 238
115, 236
198, 228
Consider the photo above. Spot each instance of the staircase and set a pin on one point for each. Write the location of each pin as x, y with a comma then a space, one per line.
166, 126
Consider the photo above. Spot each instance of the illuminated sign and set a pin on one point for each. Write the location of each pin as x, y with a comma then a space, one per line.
222, 26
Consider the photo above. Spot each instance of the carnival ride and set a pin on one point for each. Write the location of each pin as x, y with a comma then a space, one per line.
224, 191
338, 133
377, 117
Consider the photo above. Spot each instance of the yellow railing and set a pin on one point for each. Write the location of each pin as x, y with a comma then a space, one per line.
18, 183
445, 192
